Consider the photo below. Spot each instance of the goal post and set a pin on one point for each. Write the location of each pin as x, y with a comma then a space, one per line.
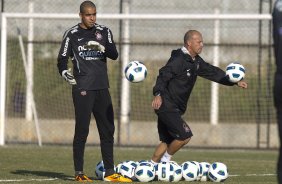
4, 30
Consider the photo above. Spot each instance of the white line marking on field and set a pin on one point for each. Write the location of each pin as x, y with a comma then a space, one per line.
52, 179
235, 175
19, 180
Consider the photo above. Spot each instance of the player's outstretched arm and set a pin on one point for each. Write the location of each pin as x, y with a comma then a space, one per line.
242, 84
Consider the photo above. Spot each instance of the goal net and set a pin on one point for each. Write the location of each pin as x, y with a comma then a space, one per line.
149, 38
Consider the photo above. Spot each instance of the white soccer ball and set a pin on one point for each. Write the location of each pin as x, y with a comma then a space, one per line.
145, 172
118, 167
235, 72
177, 172
218, 172
135, 71
164, 171
205, 169
190, 171
142, 161
200, 169
127, 169
100, 170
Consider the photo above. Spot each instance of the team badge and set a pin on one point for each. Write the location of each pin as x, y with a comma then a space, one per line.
98, 36
83, 93
186, 127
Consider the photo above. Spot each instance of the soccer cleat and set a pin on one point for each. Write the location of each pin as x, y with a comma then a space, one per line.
117, 178
82, 178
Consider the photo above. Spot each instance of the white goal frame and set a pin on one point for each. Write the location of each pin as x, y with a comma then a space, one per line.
126, 17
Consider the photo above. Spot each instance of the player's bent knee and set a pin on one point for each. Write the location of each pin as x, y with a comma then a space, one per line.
186, 140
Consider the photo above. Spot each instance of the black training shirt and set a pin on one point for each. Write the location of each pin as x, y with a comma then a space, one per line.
177, 79
89, 64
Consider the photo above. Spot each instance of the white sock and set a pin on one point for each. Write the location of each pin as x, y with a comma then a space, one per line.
166, 157
153, 162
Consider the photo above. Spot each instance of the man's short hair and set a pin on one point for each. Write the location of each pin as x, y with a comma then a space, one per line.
189, 34
85, 4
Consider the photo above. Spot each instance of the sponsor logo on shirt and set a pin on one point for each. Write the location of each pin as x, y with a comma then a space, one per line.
89, 52
109, 36
66, 46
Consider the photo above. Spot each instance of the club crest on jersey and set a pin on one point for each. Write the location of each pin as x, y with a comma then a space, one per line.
186, 127
98, 36
83, 93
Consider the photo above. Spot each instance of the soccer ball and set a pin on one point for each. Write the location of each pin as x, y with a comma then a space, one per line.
135, 71
145, 172
142, 161
200, 169
235, 72
190, 170
118, 167
218, 172
164, 171
205, 169
100, 170
177, 172
127, 169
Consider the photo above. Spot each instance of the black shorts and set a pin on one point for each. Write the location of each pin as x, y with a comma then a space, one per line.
171, 126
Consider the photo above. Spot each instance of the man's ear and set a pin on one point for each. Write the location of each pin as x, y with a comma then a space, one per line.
188, 43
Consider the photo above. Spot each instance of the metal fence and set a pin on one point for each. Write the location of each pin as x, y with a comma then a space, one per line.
246, 117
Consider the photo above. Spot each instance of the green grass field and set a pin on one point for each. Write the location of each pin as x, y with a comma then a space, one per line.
53, 164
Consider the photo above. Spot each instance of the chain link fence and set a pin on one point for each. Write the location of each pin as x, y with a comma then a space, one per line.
246, 117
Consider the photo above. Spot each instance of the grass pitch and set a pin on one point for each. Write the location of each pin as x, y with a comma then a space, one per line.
53, 164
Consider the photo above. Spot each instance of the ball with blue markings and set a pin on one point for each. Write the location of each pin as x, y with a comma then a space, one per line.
135, 71
218, 172
145, 172
205, 169
190, 171
235, 72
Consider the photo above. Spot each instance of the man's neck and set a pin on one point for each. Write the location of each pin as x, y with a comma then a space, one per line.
186, 51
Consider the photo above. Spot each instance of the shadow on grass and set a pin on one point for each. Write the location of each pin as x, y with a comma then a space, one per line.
48, 174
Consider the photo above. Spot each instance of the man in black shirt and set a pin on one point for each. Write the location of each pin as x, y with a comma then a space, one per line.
172, 90
89, 44
277, 91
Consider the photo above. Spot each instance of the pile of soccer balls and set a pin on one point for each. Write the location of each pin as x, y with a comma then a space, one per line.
145, 171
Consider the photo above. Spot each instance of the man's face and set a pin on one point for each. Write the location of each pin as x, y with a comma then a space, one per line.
196, 44
88, 17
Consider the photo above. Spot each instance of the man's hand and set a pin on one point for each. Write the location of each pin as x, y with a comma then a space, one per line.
157, 102
242, 84
66, 74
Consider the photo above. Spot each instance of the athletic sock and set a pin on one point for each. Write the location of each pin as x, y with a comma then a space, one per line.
153, 162
78, 173
166, 157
